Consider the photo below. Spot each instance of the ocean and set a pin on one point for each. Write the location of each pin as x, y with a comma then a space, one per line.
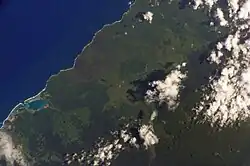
39, 38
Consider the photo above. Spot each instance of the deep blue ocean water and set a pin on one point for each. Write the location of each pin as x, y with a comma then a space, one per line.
40, 37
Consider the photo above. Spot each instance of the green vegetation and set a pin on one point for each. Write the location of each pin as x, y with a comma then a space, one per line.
89, 99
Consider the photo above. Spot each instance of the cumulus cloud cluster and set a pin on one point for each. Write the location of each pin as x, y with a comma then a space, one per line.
228, 99
220, 16
148, 16
148, 135
237, 10
105, 151
167, 90
10, 152
225, 99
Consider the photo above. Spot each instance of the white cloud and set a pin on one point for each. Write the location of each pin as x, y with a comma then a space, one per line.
105, 151
228, 97
220, 15
9, 151
233, 6
147, 133
167, 90
244, 10
102, 153
148, 16
202, 3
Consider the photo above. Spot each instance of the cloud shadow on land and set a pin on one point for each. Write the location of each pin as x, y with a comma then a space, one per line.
3, 161
140, 86
198, 71
185, 3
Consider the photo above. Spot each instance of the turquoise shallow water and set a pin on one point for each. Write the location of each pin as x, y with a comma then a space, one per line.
36, 105
38, 38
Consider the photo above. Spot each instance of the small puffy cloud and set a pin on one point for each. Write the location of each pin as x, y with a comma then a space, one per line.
105, 151
148, 16
220, 16
202, 3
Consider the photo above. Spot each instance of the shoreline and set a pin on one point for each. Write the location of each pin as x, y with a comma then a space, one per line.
63, 70
18, 105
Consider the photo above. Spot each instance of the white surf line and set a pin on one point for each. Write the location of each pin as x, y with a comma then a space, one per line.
71, 68
38, 94
12, 112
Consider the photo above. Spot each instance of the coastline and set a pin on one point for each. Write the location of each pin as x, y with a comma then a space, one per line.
67, 131
94, 36
18, 105
59, 133
67, 69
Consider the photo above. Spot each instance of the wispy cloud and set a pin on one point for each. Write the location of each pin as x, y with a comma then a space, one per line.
9, 151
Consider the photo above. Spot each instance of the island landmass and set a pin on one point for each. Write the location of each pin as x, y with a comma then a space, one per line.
107, 84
